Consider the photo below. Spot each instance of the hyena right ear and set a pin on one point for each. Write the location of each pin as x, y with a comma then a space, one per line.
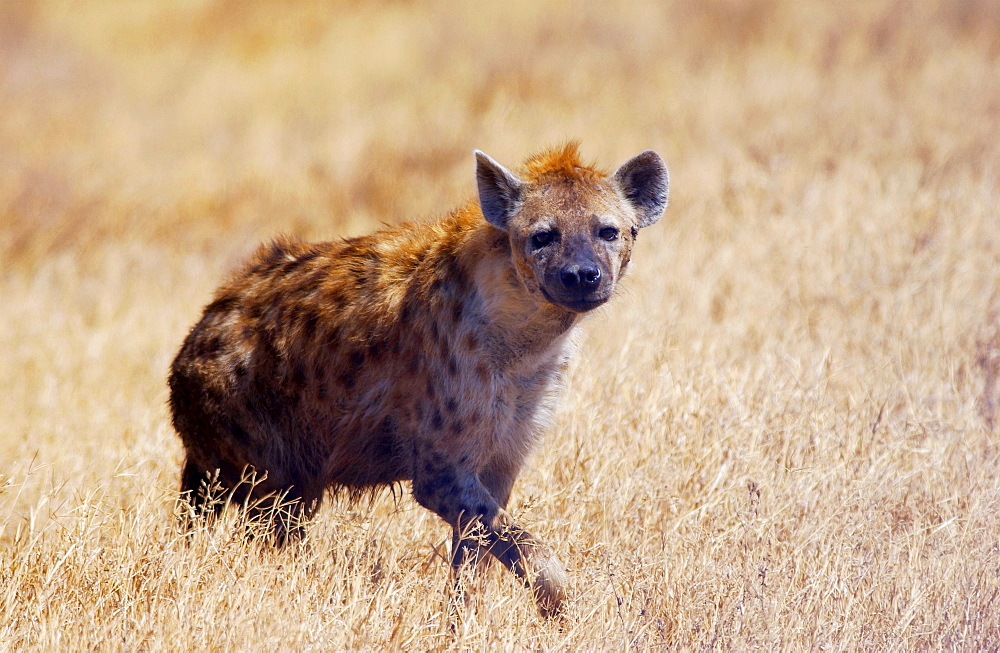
499, 191
646, 183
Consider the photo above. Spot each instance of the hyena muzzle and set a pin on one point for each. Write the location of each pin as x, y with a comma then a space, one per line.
425, 352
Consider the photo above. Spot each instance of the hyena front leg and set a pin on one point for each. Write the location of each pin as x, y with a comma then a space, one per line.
532, 560
462, 500
528, 557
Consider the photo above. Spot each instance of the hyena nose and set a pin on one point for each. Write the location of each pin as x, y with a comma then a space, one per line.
580, 276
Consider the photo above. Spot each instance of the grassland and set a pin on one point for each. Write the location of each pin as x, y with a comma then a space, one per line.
786, 434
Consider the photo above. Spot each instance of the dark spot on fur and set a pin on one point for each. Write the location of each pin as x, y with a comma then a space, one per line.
221, 305
238, 433
266, 345
313, 280
471, 343
384, 444
454, 275
357, 358
437, 421
393, 346
458, 427
347, 379
332, 335
456, 313
240, 371
450, 405
431, 390
483, 372
440, 480
452, 366
338, 294
309, 324
365, 268
299, 375
211, 347
247, 332
374, 351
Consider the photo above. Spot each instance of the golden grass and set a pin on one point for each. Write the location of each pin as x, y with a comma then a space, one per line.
785, 435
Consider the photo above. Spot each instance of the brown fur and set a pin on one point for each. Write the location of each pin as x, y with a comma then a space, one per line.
428, 352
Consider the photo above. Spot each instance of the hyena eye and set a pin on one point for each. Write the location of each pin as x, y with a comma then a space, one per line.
542, 238
608, 233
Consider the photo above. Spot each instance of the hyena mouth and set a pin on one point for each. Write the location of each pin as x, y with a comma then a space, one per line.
577, 304
584, 305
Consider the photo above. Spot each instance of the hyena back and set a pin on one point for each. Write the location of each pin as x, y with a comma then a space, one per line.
424, 352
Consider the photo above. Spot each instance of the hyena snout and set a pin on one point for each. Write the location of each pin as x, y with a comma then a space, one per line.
579, 283
580, 277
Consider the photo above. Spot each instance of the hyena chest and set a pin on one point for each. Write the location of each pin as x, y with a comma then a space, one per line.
464, 407
489, 408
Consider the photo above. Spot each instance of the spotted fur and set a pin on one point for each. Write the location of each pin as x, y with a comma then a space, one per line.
425, 352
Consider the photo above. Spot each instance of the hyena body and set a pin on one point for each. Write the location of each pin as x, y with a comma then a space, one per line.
424, 352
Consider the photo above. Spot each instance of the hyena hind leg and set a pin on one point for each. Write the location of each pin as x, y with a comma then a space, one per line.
201, 497
264, 511
282, 515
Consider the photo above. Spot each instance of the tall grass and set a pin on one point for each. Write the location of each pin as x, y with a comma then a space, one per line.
785, 434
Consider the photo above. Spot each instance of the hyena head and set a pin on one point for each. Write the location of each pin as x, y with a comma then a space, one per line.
571, 227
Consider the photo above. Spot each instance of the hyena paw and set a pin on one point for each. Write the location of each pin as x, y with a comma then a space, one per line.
549, 583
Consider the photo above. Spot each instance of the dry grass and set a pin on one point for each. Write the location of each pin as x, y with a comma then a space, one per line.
785, 435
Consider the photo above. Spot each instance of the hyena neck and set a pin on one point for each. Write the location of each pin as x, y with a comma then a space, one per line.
517, 326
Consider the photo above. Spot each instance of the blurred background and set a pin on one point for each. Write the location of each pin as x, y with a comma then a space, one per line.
188, 124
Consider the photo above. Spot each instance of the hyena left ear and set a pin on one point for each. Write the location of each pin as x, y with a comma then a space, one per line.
499, 191
645, 182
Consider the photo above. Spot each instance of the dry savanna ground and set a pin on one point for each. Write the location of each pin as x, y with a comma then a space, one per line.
784, 434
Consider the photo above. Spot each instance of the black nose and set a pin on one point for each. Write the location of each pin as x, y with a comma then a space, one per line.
575, 276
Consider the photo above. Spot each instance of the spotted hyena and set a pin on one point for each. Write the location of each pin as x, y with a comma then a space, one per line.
429, 352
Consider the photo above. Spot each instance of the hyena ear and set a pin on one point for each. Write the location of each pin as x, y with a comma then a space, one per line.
645, 182
499, 191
